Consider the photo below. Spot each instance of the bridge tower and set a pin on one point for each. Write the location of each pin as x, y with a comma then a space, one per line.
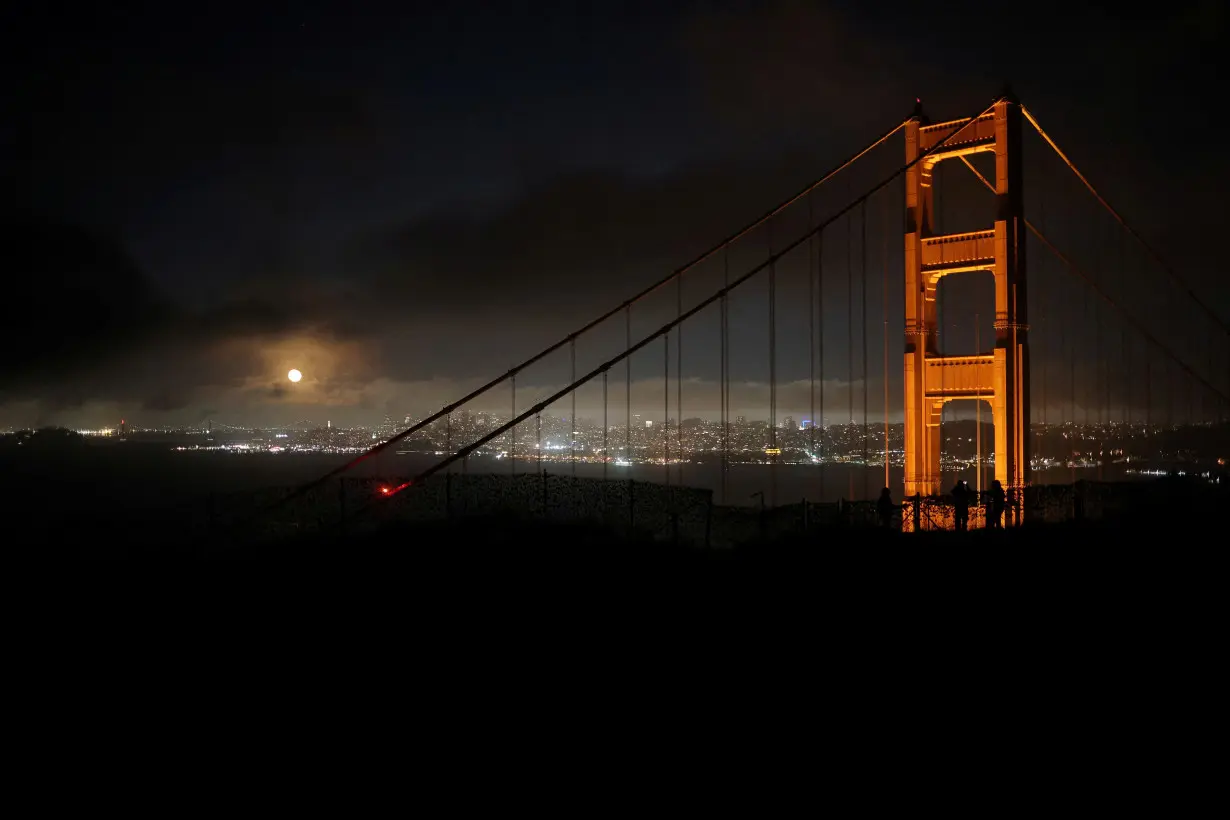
1002, 375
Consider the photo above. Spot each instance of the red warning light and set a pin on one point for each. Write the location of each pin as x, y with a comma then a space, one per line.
384, 490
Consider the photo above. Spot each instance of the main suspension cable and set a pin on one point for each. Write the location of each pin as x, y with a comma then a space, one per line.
1127, 317
629, 351
542, 354
1178, 280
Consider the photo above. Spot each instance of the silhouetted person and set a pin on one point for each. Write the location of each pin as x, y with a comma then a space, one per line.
885, 508
996, 504
960, 505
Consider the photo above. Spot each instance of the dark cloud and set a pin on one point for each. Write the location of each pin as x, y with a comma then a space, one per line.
81, 322
579, 240
266, 207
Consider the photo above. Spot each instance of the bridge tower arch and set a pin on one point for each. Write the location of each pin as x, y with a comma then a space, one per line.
1000, 376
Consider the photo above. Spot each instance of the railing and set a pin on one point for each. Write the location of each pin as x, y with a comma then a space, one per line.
625, 510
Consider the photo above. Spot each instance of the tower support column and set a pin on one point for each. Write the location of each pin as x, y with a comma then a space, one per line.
1002, 374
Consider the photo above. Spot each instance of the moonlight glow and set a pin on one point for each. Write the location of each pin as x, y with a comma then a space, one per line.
294, 375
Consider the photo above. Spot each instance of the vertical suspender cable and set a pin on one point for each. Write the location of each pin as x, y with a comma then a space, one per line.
572, 439
538, 433
679, 379
1043, 313
863, 322
628, 386
884, 229
772, 371
606, 427
666, 408
1098, 393
1125, 344
978, 407
820, 351
725, 386
811, 327
1088, 391
1104, 420
512, 448
1148, 395
1072, 351
850, 337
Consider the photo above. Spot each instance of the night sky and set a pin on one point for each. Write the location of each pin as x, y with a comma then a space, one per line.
405, 200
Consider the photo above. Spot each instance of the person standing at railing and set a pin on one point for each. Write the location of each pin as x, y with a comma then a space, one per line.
885, 508
995, 506
960, 506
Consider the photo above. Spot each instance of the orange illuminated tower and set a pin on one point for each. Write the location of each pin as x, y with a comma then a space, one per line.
1002, 375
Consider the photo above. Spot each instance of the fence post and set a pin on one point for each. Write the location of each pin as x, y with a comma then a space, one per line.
448, 495
341, 505
674, 507
708, 519
631, 505
544, 495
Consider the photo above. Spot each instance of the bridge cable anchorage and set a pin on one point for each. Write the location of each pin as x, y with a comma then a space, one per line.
842, 212
1124, 315
1178, 280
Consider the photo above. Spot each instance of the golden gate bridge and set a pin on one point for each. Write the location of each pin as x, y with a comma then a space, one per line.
1087, 326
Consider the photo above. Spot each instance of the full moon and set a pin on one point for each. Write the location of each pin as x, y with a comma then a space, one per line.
294, 375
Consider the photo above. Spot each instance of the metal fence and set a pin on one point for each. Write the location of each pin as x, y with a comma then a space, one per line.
635, 509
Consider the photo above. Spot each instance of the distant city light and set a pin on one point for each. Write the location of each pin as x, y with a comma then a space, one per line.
294, 375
